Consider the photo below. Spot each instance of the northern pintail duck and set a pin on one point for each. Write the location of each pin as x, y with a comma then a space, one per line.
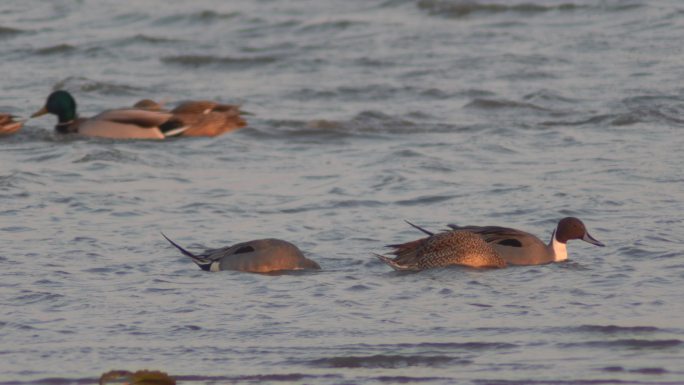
122, 123
8, 125
443, 249
202, 117
517, 247
257, 256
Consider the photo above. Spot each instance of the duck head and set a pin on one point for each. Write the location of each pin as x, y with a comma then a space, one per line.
62, 104
572, 228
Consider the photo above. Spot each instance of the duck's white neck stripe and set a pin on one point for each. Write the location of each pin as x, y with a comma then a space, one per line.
215, 266
560, 250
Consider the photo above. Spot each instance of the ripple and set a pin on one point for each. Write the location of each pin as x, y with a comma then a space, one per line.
225, 62
614, 329
498, 104
636, 344
387, 361
6, 32
201, 18
59, 49
87, 85
459, 8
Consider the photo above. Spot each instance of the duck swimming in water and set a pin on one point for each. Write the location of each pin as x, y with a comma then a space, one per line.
443, 249
148, 121
122, 123
257, 256
518, 247
486, 246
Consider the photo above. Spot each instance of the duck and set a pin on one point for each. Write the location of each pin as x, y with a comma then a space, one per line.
202, 117
486, 246
518, 247
447, 248
256, 256
141, 377
8, 125
122, 123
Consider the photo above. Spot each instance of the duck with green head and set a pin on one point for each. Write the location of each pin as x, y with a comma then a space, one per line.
122, 123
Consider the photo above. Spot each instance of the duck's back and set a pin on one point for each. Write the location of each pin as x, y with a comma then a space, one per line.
515, 246
445, 249
262, 256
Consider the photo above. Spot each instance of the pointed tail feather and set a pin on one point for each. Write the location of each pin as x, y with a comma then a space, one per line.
203, 263
392, 264
430, 233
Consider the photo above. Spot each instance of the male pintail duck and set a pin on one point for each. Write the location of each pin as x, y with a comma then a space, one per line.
517, 247
202, 117
257, 256
123, 123
443, 249
8, 125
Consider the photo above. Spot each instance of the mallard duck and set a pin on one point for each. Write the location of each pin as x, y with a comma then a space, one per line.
123, 123
257, 256
202, 117
8, 125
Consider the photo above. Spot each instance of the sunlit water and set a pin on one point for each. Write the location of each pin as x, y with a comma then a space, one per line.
364, 114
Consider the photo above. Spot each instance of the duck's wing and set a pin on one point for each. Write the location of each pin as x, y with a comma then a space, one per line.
134, 123
133, 116
222, 252
204, 107
504, 236
212, 123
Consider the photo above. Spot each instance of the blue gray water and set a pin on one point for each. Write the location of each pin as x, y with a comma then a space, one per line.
364, 114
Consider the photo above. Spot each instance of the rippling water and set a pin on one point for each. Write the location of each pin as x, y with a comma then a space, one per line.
364, 113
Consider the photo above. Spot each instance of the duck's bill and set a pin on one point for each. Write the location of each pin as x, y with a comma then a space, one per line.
589, 239
40, 112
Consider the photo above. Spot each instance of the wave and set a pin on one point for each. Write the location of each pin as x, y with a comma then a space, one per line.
218, 61
9, 32
387, 361
84, 84
465, 8
55, 50
459, 8
203, 17
627, 344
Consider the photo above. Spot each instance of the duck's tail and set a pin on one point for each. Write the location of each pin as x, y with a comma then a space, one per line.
202, 262
389, 261
430, 233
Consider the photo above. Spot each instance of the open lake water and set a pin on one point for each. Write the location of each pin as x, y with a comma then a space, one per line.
364, 113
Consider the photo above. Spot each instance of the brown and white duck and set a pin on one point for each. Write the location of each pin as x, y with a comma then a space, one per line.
518, 247
486, 246
257, 256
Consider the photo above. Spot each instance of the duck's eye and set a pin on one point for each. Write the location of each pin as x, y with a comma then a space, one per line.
510, 242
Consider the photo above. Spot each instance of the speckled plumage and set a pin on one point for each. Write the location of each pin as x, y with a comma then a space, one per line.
444, 249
